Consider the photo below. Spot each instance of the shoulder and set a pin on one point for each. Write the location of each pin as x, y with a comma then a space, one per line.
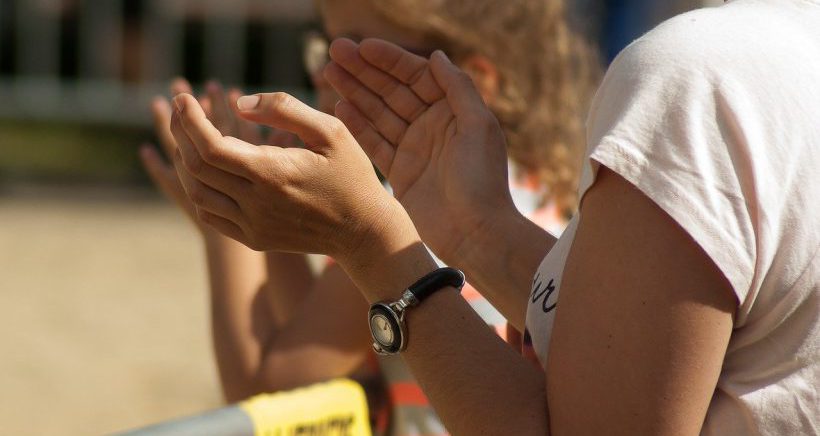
713, 43
662, 68
680, 66
656, 122
688, 45
677, 41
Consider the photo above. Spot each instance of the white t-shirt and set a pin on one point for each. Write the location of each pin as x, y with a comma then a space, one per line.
715, 116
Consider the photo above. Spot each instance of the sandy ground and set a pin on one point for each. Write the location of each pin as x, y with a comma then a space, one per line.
103, 314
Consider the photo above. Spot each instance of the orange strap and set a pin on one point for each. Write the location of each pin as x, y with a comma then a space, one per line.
408, 394
469, 293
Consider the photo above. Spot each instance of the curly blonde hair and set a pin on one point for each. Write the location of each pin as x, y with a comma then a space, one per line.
547, 76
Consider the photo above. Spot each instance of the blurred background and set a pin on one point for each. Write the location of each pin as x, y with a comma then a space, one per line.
103, 298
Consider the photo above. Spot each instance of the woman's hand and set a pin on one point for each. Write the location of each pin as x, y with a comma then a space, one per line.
324, 198
427, 129
220, 108
163, 174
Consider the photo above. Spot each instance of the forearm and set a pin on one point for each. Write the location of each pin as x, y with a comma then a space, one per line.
464, 366
240, 318
325, 338
500, 260
272, 336
289, 280
459, 362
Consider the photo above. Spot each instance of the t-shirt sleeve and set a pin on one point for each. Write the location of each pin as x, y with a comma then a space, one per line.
661, 121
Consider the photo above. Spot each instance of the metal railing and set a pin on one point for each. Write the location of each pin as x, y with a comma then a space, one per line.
103, 60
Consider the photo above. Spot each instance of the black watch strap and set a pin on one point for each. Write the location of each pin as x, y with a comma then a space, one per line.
438, 279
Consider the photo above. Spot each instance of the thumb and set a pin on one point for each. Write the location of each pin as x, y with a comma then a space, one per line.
462, 95
248, 131
279, 110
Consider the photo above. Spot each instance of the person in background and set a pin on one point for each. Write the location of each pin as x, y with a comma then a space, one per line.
267, 333
683, 297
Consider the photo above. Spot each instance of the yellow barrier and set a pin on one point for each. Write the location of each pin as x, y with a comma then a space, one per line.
335, 408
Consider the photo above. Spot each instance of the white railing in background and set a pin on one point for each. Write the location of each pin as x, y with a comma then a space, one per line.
99, 94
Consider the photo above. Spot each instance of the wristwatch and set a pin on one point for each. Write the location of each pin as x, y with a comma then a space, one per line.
387, 319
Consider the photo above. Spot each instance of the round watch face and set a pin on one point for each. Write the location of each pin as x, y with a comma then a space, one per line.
385, 329
381, 329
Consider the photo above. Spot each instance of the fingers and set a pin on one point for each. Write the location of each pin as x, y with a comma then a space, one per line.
320, 132
180, 86
202, 145
374, 145
161, 111
246, 130
388, 123
186, 148
462, 95
396, 94
221, 114
163, 175
222, 225
194, 164
408, 68
224, 181
204, 197
281, 138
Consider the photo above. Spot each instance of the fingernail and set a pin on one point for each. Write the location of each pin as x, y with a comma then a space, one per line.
158, 103
212, 86
248, 102
443, 55
179, 102
179, 85
145, 151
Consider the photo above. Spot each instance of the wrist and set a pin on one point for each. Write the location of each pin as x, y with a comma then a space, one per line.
376, 230
509, 241
387, 256
485, 236
213, 240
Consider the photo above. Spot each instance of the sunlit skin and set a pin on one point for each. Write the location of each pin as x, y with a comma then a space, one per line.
652, 370
267, 335
354, 19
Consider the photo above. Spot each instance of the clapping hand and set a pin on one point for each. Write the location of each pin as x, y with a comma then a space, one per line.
220, 107
427, 129
323, 198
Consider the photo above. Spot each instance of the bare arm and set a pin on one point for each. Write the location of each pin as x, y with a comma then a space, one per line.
325, 337
289, 279
502, 259
294, 338
235, 272
240, 317
643, 332
643, 324
640, 338
322, 339
289, 275
267, 332
284, 341
398, 110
